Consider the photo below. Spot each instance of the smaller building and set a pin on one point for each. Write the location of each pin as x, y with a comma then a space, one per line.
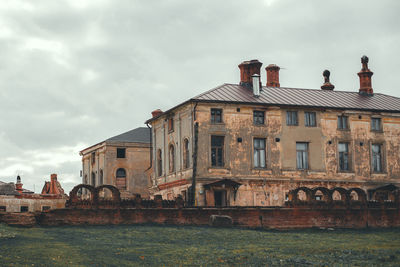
122, 161
14, 198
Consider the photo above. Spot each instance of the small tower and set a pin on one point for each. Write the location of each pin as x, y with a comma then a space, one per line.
365, 78
18, 185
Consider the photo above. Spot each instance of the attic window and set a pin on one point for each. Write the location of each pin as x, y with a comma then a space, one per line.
120, 153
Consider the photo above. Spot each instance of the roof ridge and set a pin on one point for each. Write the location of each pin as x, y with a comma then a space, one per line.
209, 91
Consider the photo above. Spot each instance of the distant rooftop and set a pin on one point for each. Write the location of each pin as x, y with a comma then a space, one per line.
138, 135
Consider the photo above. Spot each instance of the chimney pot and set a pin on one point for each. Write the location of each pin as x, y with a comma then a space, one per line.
156, 113
18, 185
273, 75
256, 84
327, 85
247, 69
365, 78
53, 176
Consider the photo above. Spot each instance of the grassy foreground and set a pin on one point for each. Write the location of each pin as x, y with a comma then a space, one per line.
175, 246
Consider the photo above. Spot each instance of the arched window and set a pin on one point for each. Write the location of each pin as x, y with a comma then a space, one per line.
101, 177
93, 179
159, 162
171, 158
186, 158
121, 178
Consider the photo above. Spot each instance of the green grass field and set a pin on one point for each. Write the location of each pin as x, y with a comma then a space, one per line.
205, 246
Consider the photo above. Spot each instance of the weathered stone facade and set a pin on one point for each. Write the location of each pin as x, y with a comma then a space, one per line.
129, 170
337, 152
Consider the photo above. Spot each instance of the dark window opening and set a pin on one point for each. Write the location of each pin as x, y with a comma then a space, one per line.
101, 178
376, 124
121, 178
121, 153
220, 198
159, 162
2, 208
291, 118
217, 151
259, 153
24, 209
171, 158
170, 124
46, 208
302, 156
344, 156
310, 119
93, 179
93, 157
216, 115
258, 117
343, 123
186, 155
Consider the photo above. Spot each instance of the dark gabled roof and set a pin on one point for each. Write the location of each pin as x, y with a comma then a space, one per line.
138, 135
283, 96
8, 189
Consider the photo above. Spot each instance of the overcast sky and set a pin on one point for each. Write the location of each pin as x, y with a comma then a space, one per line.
74, 73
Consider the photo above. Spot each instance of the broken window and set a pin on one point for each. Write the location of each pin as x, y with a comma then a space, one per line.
310, 119
376, 124
46, 208
217, 151
302, 156
377, 160
216, 115
121, 153
159, 162
171, 158
343, 123
291, 118
259, 152
170, 124
121, 178
24, 209
186, 155
258, 117
344, 156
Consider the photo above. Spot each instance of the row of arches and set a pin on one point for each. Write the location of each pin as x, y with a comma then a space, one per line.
94, 195
305, 194
171, 158
120, 175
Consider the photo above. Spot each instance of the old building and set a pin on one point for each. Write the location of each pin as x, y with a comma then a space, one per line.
246, 144
14, 198
122, 161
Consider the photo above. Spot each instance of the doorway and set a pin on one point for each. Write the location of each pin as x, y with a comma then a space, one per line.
220, 198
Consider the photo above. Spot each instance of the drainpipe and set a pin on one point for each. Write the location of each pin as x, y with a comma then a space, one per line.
195, 141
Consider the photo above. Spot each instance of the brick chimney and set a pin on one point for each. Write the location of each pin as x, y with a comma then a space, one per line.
156, 113
327, 85
365, 78
273, 75
53, 184
247, 69
18, 185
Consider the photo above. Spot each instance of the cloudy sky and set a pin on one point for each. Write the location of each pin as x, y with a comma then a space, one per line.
73, 73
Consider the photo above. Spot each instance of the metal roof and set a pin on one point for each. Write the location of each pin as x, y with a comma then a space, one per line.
283, 96
138, 135
8, 189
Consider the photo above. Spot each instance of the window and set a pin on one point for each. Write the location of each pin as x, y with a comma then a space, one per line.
171, 158
2, 208
344, 157
376, 124
121, 178
216, 115
302, 156
186, 155
217, 151
159, 162
93, 157
310, 119
259, 152
121, 153
258, 117
24, 209
377, 160
291, 118
343, 123
93, 179
46, 208
170, 125
101, 177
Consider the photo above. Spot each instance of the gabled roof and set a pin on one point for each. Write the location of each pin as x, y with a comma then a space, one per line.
138, 135
283, 96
